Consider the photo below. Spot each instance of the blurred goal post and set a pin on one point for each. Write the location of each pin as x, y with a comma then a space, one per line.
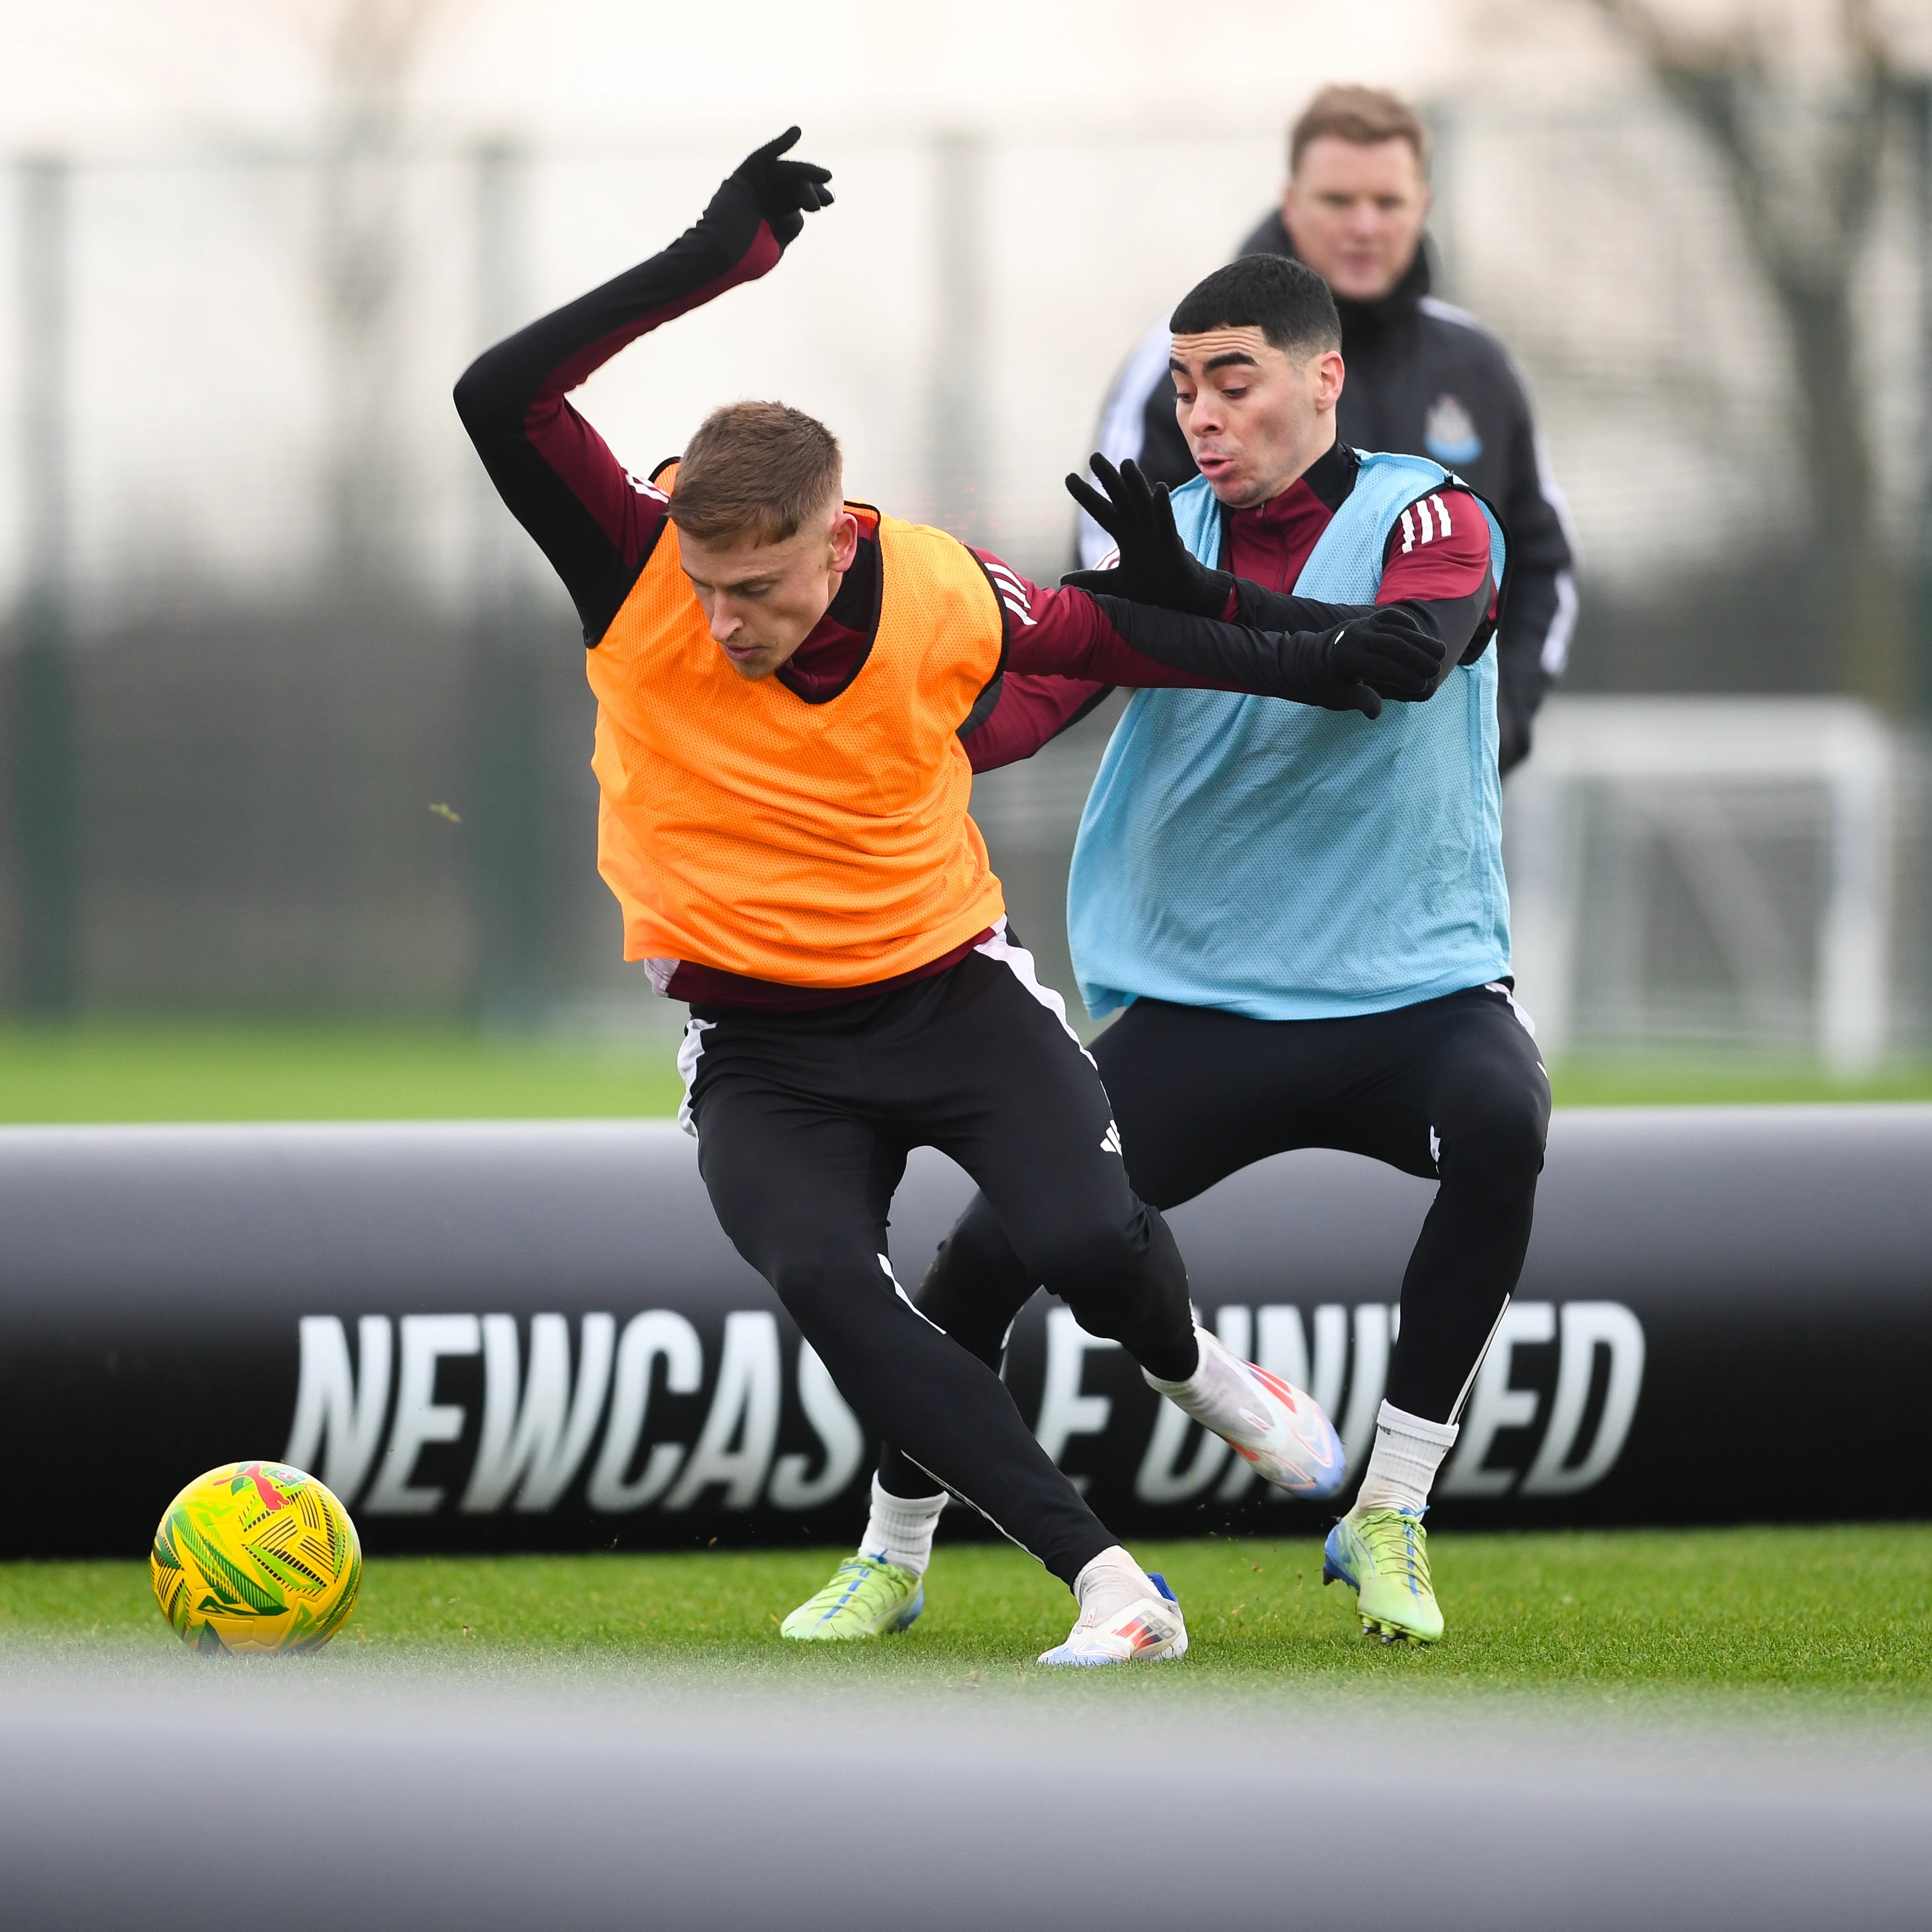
1669, 764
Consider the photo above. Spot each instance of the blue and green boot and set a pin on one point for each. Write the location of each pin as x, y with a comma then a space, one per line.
1382, 1555
867, 1597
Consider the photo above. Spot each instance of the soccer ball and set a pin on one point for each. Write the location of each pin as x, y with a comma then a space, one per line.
255, 1556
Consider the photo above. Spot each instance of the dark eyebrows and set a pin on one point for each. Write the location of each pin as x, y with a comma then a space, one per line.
1229, 359
744, 586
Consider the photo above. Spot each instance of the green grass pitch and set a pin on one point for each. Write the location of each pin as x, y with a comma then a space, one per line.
1842, 1613
101, 1069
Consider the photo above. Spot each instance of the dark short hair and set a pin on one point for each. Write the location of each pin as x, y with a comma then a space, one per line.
763, 468
1286, 300
1366, 116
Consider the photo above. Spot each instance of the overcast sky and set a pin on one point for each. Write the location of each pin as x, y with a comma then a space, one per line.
106, 75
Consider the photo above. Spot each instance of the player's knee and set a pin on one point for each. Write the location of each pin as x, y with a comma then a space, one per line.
1497, 1143
822, 1284
1095, 1260
1116, 1274
976, 1311
976, 1264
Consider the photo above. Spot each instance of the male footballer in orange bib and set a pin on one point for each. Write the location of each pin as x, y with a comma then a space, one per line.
786, 683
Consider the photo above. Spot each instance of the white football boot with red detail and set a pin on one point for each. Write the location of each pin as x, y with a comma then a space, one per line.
1142, 1631
1278, 1427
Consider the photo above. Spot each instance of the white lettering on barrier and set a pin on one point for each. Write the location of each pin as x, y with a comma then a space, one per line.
1368, 1378
658, 1333
1588, 1325
333, 1404
734, 1446
539, 1423
420, 1419
1496, 1404
1065, 1411
534, 1445
838, 1429
1331, 1357
538, 1426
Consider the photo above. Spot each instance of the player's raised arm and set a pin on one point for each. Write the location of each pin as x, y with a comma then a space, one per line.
591, 518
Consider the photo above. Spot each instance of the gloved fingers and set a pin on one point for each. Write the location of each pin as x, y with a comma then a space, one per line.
1131, 495
1396, 621
1132, 487
1109, 477
805, 181
807, 197
1150, 504
1401, 656
1095, 583
1101, 508
1400, 672
1398, 690
783, 190
759, 157
1362, 699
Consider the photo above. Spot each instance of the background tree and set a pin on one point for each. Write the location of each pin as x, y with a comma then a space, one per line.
1802, 144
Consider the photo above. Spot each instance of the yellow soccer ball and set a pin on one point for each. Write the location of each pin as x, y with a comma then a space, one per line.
255, 1556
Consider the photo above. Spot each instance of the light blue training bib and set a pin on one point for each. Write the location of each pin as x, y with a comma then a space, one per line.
1291, 863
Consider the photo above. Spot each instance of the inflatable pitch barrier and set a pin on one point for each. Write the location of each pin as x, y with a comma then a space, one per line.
535, 1337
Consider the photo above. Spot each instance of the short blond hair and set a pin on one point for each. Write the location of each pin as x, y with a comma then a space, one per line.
1365, 116
763, 469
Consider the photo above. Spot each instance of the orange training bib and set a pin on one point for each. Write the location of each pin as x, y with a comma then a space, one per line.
823, 844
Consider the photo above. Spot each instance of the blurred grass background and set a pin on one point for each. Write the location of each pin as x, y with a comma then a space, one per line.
102, 1070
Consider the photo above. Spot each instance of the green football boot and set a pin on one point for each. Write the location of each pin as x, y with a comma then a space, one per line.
1383, 1555
867, 1597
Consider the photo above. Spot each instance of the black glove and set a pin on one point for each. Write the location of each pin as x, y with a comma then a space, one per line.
1156, 567
1388, 651
785, 192
1351, 667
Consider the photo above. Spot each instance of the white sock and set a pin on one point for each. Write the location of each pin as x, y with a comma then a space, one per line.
899, 1529
1109, 1583
1402, 1465
1219, 1390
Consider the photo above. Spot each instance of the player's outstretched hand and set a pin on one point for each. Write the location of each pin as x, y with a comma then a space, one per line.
786, 192
1156, 567
1387, 654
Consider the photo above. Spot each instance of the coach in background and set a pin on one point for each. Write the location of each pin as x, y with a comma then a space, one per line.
1424, 379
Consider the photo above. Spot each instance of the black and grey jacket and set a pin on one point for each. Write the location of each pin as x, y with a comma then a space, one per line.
1424, 380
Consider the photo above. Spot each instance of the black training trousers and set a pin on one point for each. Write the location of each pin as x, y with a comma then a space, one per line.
804, 1122
1452, 1090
